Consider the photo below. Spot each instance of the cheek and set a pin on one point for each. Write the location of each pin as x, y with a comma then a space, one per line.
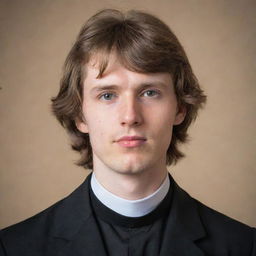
99, 124
162, 116
162, 125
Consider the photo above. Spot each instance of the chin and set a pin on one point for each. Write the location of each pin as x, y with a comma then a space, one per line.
130, 171
132, 167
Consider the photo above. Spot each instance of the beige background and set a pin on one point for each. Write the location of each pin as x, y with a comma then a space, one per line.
35, 160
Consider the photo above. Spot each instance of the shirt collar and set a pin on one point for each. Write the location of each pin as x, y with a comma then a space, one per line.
130, 208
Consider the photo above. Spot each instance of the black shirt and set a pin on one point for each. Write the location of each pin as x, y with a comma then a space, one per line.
133, 236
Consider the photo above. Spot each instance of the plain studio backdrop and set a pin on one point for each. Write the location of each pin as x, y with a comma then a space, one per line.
36, 162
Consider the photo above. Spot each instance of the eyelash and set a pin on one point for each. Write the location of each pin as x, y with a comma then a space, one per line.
112, 95
106, 93
155, 93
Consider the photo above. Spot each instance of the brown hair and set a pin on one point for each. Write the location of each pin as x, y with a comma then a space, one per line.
143, 43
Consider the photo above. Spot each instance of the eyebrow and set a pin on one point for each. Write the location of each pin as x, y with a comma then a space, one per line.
154, 84
142, 86
100, 88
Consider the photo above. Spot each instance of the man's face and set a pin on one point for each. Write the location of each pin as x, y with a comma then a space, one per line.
129, 117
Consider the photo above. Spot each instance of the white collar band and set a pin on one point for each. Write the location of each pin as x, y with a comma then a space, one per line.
130, 208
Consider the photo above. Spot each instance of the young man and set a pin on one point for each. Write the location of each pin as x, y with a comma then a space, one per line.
127, 98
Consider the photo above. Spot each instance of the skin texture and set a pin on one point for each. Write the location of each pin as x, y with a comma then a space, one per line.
118, 106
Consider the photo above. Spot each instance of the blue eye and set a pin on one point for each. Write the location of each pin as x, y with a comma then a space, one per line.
150, 93
107, 96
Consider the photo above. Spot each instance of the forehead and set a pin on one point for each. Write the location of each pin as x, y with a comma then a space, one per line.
101, 64
116, 71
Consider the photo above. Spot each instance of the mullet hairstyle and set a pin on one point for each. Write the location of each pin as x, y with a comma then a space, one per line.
142, 43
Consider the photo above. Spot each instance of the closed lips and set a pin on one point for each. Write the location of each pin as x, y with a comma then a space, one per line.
131, 138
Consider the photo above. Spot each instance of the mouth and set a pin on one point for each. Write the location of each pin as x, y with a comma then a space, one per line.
131, 141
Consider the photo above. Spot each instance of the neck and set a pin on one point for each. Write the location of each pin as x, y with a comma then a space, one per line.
131, 186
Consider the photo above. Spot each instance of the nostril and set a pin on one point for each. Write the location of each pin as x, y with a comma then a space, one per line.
135, 123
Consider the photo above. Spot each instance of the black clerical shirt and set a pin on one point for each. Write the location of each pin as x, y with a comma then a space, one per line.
134, 236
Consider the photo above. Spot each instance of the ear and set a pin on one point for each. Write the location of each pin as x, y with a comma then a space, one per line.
82, 126
180, 115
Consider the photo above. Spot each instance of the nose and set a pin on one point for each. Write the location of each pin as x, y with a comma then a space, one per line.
130, 112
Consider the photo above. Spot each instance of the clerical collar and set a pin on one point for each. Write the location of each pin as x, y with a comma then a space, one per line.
130, 208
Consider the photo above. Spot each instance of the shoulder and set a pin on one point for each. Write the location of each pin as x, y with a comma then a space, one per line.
37, 231
220, 234
219, 223
32, 232
226, 233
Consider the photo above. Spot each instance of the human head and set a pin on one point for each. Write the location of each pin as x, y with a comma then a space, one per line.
143, 44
